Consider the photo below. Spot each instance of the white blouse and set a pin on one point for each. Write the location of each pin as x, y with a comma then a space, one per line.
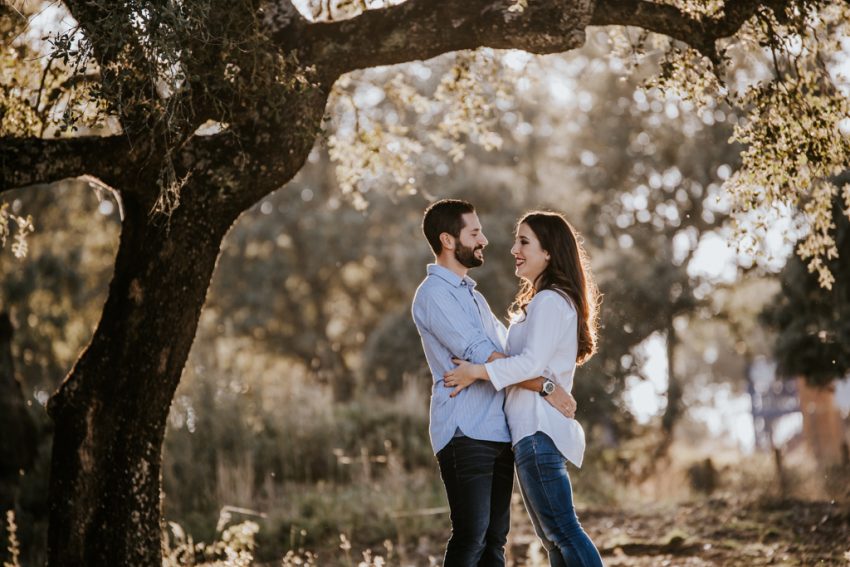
543, 343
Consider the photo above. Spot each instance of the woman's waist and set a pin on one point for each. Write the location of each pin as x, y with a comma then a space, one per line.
532, 396
527, 406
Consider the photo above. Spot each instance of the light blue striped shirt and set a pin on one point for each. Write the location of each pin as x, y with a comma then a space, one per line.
455, 320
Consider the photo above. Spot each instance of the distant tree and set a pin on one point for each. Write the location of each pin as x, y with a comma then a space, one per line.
18, 439
194, 111
309, 277
55, 297
813, 323
652, 166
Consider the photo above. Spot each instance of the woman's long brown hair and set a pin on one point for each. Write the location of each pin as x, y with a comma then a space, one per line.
568, 272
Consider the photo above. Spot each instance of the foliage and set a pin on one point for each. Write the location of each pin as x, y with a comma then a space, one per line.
23, 226
47, 81
424, 114
782, 75
813, 323
310, 278
388, 359
240, 434
778, 75
234, 549
779, 70
796, 129
14, 547
54, 295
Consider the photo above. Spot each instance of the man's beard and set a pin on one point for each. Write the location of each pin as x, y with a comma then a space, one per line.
466, 256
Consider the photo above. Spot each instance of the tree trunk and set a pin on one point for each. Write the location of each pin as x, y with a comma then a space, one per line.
18, 437
111, 410
673, 410
337, 372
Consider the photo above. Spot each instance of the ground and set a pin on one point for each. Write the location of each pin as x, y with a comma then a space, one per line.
721, 531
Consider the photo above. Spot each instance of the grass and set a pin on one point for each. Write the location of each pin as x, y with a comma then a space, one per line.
14, 546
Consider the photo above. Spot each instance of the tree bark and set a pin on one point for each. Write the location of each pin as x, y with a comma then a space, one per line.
32, 161
111, 410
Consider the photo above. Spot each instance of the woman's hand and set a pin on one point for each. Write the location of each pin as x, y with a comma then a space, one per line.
461, 377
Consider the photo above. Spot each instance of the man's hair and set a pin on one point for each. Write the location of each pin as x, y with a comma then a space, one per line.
445, 215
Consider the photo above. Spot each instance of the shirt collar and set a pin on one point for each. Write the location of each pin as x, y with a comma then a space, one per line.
450, 276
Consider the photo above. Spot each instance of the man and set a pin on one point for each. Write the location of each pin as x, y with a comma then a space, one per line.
469, 432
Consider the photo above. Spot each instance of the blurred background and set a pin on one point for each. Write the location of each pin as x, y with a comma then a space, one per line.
304, 404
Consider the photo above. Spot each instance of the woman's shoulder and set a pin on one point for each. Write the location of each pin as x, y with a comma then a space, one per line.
552, 308
550, 299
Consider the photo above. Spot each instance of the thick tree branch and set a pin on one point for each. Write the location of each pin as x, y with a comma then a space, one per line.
32, 161
701, 34
419, 29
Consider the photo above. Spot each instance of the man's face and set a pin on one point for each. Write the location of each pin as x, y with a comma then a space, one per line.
469, 249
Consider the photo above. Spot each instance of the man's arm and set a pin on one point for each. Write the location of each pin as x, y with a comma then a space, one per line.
440, 312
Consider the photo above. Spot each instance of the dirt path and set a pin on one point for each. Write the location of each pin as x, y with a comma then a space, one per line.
716, 532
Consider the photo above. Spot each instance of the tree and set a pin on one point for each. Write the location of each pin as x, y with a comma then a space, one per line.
653, 203
18, 444
201, 108
812, 323
310, 277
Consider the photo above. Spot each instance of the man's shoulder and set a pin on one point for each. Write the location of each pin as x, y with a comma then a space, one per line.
426, 290
480, 296
433, 285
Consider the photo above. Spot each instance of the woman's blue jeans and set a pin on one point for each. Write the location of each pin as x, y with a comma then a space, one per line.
548, 496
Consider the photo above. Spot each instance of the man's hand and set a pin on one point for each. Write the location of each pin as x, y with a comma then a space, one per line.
563, 401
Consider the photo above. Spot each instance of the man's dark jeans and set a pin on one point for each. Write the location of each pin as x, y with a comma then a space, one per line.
479, 478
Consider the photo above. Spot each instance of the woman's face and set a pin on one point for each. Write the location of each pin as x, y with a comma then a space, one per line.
530, 258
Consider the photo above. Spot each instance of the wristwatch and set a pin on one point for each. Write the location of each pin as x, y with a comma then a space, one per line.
548, 388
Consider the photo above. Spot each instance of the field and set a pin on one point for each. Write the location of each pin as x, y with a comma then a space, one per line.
725, 529
721, 531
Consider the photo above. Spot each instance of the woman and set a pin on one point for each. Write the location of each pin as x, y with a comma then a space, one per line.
553, 329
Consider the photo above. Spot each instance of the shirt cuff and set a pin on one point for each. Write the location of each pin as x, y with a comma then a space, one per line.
479, 353
495, 378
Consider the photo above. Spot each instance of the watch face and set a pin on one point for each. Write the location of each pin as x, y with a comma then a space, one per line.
548, 387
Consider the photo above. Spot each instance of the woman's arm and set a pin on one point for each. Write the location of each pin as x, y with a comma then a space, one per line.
550, 320
466, 374
548, 317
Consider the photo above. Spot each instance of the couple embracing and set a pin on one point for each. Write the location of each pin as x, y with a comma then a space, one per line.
501, 397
